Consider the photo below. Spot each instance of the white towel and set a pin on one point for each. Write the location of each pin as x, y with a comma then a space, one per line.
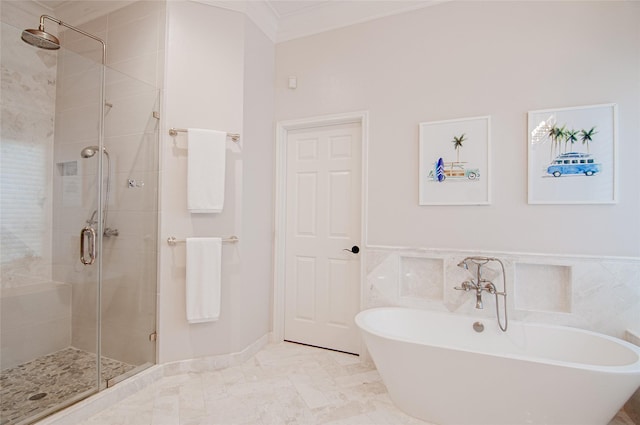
204, 261
206, 168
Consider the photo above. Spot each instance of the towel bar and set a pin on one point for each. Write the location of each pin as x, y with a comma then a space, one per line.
174, 132
172, 241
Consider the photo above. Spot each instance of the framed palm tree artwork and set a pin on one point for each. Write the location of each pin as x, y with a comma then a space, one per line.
572, 155
454, 162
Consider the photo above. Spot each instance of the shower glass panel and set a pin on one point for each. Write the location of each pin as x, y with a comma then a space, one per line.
57, 315
47, 195
130, 247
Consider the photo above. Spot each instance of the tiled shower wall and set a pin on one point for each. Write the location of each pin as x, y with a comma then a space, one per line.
31, 304
598, 294
27, 107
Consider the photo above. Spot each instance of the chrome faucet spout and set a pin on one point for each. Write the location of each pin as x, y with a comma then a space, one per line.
479, 305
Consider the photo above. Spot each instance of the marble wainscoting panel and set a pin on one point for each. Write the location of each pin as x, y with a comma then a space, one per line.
382, 279
607, 296
543, 287
598, 294
375, 258
421, 278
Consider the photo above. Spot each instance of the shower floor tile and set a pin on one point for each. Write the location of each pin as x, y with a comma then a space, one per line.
59, 376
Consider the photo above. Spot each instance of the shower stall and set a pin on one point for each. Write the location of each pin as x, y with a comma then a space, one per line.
78, 214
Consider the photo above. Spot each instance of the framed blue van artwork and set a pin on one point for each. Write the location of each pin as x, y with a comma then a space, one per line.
572, 155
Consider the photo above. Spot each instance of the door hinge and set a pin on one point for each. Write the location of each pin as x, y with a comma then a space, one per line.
153, 337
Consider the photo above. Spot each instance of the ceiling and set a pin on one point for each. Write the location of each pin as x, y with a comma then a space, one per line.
280, 7
52, 4
291, 7
281, 20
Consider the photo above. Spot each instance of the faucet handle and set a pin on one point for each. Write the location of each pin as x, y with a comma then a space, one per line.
490, 288
465, 286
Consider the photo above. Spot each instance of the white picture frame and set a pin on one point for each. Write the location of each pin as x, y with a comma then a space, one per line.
572, 155
454, 162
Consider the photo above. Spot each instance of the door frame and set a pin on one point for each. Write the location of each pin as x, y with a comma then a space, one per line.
282, 133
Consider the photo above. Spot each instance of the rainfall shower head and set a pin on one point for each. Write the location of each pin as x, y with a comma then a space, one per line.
44, 40
90, 151
41, 39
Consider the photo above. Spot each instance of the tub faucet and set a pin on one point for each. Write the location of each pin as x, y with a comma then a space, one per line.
469, 285
479, 284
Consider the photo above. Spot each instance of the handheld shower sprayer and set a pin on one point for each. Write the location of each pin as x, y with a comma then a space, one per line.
89, 152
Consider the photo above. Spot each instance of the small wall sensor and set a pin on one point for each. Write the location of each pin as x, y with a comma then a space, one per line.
293, 82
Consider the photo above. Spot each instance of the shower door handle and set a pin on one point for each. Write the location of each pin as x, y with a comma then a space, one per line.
89, 234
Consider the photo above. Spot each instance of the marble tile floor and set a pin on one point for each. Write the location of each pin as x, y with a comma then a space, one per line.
59, 376
283, 384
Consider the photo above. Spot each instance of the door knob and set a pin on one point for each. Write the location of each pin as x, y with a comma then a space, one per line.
354, 249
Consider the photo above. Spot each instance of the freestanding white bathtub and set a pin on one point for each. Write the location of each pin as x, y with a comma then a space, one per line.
437, 368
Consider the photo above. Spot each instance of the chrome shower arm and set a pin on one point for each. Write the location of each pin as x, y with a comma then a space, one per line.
78, 30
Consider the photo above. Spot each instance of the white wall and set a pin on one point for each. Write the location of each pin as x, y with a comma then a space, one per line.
209, 85
466, 59
252, 314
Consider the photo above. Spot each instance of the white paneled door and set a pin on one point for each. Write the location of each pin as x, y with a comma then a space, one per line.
322, 282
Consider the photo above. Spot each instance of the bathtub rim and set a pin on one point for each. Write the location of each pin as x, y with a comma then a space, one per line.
630, 368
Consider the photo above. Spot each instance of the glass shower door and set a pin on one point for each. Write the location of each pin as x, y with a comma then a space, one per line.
78, 210
129, 293
51, 106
